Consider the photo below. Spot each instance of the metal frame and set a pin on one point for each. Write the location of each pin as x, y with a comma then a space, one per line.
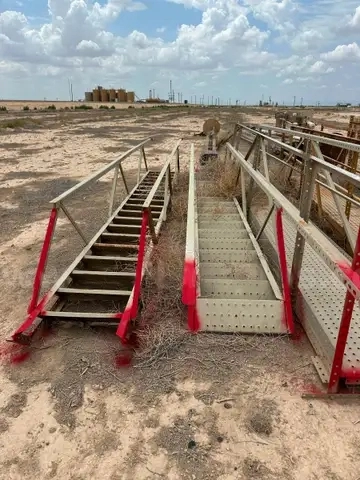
306, 231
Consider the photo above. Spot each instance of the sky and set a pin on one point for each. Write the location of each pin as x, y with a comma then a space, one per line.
242, 50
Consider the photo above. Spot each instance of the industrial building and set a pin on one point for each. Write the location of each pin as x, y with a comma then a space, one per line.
100, 94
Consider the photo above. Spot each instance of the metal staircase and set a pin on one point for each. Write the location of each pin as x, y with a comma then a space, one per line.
102, 286
235, 289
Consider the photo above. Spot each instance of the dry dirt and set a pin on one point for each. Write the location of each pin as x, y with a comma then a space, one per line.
206, 406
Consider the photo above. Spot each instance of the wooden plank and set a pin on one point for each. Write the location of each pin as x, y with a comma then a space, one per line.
87, 291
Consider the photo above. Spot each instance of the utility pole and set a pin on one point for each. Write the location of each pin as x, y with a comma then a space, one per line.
301, 101
294, 100
195, 99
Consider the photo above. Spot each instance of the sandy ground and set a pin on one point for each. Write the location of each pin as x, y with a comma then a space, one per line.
211, 407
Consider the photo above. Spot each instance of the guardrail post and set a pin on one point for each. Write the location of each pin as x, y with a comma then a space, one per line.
306, 199
144, 157
336, 369
256, 162
44, 255
113, 190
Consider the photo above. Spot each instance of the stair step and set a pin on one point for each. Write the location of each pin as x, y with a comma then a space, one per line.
218, 235
94, 291
218, 243
83, 316
138, 207
106, 262
133, 214
248, 289
138, 200
102, 274
217, 209
228, 256
240, 271
121, 228
127, 221
232, 226
227, 217
245, 316
121, 237
115, 247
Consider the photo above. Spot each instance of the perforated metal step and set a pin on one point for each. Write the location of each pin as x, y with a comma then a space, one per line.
236, 292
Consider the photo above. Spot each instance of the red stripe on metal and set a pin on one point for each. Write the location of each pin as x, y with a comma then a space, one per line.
43, 260
140, 263
189, 294
123, 325
131, 312
336, 369
288, 314
30, 319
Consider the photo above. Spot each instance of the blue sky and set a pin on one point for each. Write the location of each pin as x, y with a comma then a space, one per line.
232, 49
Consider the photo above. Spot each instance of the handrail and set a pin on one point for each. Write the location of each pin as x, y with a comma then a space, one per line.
351, 177
338, 262
100, 173
354, 199
189, 287
156, 185
317, 138
190, 231
165, 173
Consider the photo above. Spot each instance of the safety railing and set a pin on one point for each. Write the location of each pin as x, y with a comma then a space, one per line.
306, 231
58, 204
190, 277
165, 181
317, 162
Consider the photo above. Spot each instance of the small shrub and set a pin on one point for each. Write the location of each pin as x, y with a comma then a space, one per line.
112, 107
26, 108
131, 106
35, 108
3, 109
83, 107
51, 107
104, 107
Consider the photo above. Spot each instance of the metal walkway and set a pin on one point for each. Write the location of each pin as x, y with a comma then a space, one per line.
236, 291
102, 285
324, 282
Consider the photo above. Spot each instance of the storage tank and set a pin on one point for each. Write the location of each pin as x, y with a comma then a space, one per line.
130, 97
104, 95
112, 95
88, 96
121, 95
96, 95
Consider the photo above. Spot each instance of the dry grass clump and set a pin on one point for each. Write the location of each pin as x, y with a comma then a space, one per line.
161, 326
220, 177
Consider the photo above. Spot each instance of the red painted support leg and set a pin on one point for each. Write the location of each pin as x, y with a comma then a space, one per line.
189, 294
284, 271
43, 260
336, 370
132, 310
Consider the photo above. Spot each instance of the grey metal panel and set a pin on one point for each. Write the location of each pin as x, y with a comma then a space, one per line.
243, 271
321, 301
217, 208
254, 316
228, 256
224, 243
247, 289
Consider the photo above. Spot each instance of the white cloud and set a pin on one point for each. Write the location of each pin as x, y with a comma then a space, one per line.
277, 14
291, 42
355, 20
350, 52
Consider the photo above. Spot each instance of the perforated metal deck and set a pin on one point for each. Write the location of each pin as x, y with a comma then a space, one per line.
320, 301
237, 290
